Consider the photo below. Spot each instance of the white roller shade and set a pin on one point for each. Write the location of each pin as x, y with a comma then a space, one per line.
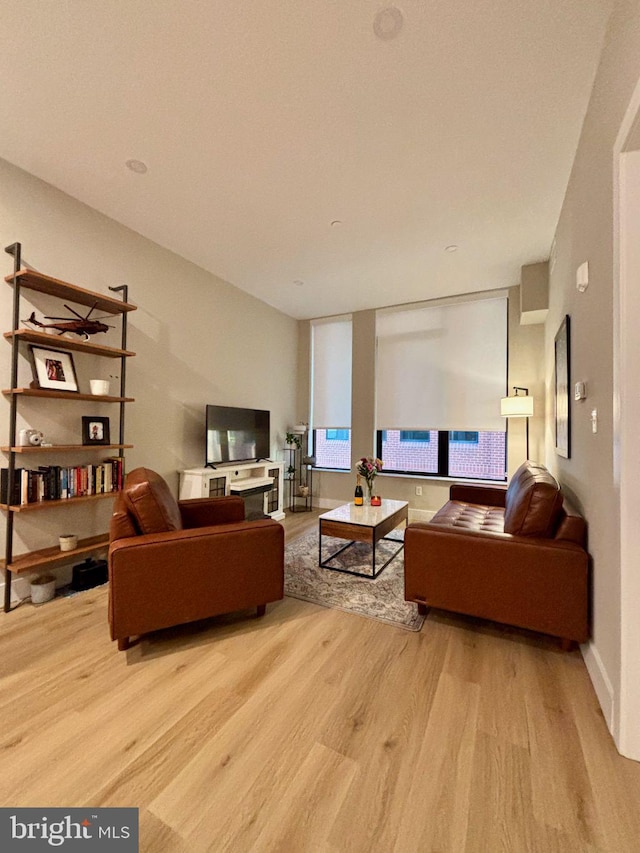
331, 373
442, 367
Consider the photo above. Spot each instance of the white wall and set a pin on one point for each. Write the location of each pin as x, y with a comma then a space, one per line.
626, 419
585, 233
198, 340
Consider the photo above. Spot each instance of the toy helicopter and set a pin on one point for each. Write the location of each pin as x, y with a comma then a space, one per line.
82, 326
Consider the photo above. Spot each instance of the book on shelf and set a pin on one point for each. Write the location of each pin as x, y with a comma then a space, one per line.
57, 482
4, 485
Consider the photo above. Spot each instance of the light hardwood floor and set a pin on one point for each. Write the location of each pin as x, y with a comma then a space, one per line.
313, 730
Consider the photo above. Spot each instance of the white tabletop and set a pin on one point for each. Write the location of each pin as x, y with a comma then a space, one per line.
366, 515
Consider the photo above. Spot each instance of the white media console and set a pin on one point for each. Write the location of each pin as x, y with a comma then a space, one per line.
243, 478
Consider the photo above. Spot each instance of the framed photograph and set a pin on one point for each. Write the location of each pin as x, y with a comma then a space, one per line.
95, 431
562, 382
53, 369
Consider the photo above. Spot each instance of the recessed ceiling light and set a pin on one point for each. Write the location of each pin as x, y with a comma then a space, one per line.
388, 23
298, 283
451, 248
136, 166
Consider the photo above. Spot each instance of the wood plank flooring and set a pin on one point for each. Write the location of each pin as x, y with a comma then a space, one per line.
313, 730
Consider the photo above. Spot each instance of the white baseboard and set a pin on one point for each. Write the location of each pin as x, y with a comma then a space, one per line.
21, 585
326, 503
422, 515
20, 588
601, 684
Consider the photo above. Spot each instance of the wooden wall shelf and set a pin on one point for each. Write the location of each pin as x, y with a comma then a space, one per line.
31, 336
65, 448
115, 305
32, 280
50, 557
65, 395
52, 504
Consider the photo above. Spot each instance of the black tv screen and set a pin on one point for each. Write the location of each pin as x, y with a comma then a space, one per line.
236, 435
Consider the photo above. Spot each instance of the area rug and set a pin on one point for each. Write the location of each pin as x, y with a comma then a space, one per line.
381, 598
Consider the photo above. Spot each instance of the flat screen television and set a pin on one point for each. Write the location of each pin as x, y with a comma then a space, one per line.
236, 435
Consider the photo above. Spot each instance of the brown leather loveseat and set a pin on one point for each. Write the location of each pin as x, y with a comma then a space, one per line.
515, 556
171, 562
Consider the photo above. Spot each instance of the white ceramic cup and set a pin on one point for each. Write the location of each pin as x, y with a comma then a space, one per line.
68, 542
99, 387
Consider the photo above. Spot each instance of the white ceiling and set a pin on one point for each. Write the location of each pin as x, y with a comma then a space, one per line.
262, 121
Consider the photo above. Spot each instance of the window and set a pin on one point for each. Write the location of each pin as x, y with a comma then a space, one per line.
402, 454
459, 436
337, 435
331, 392
444, 365
415, 435
332, 452
483, 456
442, 455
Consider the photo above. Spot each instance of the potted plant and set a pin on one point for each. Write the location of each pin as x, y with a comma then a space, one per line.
293, 440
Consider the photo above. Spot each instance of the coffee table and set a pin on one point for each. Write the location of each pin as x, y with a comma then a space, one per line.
362, 524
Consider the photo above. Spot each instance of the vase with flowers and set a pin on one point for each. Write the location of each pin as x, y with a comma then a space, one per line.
369, 467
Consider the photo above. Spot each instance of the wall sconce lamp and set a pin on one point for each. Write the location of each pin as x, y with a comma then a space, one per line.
518, 406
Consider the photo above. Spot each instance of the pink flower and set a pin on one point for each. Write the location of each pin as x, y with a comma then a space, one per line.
369, 467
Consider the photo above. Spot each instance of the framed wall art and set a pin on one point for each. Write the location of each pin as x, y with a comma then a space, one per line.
95, 430
562, 383
53, 369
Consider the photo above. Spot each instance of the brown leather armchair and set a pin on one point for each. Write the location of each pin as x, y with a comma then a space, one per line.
174, 562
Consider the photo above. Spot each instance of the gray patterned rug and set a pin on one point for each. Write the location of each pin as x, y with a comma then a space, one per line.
382, 598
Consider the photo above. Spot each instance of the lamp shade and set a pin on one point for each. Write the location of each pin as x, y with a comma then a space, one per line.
516, 407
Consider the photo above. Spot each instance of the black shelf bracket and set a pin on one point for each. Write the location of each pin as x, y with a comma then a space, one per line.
124, 290
15, 250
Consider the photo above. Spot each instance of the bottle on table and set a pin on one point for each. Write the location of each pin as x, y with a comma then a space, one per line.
359, 494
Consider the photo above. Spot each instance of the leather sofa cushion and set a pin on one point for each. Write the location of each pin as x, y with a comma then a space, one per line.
533, 502
149, 500
465, 516
122, 525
